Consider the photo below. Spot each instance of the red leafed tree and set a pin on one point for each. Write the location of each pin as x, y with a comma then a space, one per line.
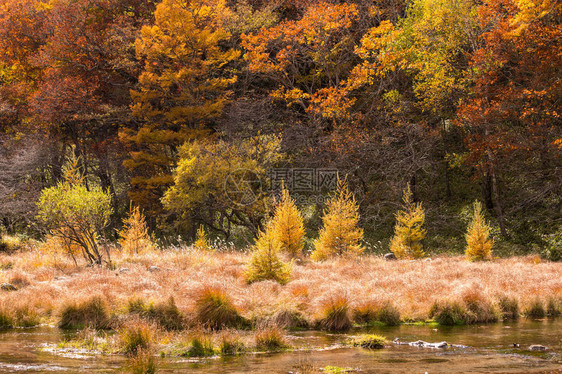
513, 113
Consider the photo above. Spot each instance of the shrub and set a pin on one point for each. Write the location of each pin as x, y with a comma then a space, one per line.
448, 313
136, 336
535, 309
478, 240
92, 313
288, 225
76, 213
335, 315
408, 231
340, 234
509, 308
369, 341
10, 243
270, 339
214, 309
134, 237
265, 263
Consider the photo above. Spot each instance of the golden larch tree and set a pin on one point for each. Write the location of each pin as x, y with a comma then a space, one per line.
478, 241
265, 263
409, 231
288, 225
340, 234
134, 237
201, 243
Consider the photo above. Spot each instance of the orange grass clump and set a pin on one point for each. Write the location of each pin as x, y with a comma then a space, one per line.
335, 314
215, 310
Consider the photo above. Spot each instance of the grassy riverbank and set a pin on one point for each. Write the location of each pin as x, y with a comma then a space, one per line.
333, 294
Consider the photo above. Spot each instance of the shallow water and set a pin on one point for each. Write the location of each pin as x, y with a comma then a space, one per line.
489, 350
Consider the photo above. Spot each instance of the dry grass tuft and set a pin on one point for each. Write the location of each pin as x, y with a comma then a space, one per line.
448, 313
373, 311
143, 362
19, 279
336, 314
165, 314
270, 338
215, 309
509, 307
201, 345
479, 308
230, 343
93, 313
6, 319
289, 319
136, 336
535, 309
553, 307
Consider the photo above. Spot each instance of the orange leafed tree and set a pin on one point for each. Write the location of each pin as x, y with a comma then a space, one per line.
308, 59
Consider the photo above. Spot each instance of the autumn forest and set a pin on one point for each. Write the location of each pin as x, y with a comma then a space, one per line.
255, 149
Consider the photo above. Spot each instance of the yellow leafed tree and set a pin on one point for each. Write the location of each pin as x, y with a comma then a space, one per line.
409, 231
340, 234
478, 240
134, 238
183, 87
265, 263
288, 225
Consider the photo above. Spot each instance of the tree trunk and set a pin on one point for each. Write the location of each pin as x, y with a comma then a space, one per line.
495, 193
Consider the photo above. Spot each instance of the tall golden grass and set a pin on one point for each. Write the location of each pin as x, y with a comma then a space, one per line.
48, 284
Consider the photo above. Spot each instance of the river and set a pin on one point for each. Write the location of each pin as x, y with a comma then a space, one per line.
489, 349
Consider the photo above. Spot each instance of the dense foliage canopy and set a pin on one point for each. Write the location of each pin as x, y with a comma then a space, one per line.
167, 102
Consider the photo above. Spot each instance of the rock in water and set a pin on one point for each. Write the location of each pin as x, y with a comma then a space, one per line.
390, 257
8, 287
537, 347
